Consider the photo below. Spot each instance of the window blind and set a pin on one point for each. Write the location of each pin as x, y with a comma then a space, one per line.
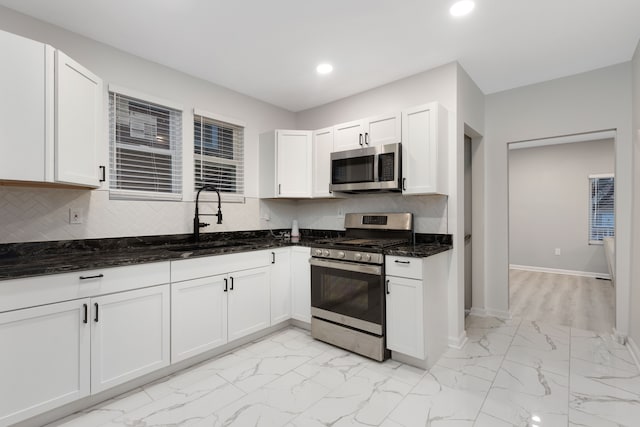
219, 156
602, 207
145, 149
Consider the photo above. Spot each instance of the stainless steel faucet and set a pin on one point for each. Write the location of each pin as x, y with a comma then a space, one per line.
197, 225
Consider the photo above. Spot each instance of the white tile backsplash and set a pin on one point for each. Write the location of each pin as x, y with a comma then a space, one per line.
41, 214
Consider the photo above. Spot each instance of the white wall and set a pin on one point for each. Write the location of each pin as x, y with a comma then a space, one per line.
635, 254
549, 205
587, 102
42, 214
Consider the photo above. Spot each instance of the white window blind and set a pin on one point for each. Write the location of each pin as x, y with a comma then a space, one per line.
601, 212
219, 156
145, 149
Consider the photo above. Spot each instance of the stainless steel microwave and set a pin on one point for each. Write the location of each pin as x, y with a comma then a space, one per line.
369, 169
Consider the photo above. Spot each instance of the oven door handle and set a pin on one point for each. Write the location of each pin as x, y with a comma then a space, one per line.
347, 266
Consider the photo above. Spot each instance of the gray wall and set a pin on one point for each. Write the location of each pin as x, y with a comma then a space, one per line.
635, 273
587, 102
42, 214
549, 205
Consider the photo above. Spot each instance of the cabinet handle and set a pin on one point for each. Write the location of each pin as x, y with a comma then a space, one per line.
404, 184
273, 257
387, 287
360, 140
279, 188
97, 276
104, 173
95, 319
366, 138
231, 282
402, 262
330, 191
225, 284
86, 313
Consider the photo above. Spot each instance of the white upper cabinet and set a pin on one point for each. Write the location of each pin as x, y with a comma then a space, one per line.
378, 130
78, 123
50, 116
322, 148
286, 164
424, 149
22, 108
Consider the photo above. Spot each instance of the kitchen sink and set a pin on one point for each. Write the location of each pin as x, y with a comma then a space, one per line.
206, 245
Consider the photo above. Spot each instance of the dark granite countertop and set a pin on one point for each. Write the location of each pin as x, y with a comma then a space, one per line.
29, 259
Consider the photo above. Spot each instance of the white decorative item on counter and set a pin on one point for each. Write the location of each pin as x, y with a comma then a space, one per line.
295, 232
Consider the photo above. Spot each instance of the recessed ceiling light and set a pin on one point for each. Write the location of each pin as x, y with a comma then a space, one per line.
324, 68
462, 8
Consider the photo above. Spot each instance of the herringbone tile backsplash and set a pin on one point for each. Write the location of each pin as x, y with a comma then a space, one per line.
39, 214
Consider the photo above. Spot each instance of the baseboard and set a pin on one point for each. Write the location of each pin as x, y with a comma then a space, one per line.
459, 341
480, 312
619, 337
500, 314
560, 271
634, 350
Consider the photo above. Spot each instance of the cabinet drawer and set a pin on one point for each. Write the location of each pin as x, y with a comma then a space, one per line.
34, 291
403, 266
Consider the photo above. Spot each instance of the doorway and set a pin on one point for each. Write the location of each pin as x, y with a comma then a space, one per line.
468, 199
558, 269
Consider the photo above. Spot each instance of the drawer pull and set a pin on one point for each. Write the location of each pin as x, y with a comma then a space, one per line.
97, 276
273, 257
402, 262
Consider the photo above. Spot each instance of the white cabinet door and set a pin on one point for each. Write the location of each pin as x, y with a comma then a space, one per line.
347, 136
248, 302
44, 362
301, 283
78, 123
385, 129
130, 335
281, 285
405, 325
22, 108
294, 152
198, 316
424, 150
322, 148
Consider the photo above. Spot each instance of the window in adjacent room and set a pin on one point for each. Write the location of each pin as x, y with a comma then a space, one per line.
601, 207
219, 155
145, 149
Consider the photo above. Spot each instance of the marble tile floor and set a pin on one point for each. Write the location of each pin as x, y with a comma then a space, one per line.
510, 373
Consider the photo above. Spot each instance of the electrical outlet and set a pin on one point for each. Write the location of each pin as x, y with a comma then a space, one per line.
75, 216
557, 251
340, 212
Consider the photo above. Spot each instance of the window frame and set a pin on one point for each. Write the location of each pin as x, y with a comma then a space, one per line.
225, 196
176, 150
592, 179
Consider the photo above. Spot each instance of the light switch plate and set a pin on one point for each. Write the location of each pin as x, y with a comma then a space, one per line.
75, 216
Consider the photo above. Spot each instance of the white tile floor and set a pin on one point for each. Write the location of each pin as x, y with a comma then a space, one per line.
510, 373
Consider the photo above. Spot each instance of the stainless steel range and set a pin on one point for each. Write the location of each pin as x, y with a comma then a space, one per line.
347, 282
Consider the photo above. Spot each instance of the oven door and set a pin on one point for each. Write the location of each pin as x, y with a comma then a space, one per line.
348, 293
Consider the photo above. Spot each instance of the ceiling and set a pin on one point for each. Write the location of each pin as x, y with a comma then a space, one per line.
269, 49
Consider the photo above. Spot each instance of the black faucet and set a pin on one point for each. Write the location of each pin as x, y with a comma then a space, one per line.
196, 219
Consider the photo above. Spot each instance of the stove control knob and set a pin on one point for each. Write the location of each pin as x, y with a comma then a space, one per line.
367, 257
318, 252
357, 257
341, 254
325, 252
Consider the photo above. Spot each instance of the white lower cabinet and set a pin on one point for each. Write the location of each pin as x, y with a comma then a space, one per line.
280, 285
198, 316
45, 358
248, 309
211, 311
130, 335
404, 316
301, 283
416, 308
